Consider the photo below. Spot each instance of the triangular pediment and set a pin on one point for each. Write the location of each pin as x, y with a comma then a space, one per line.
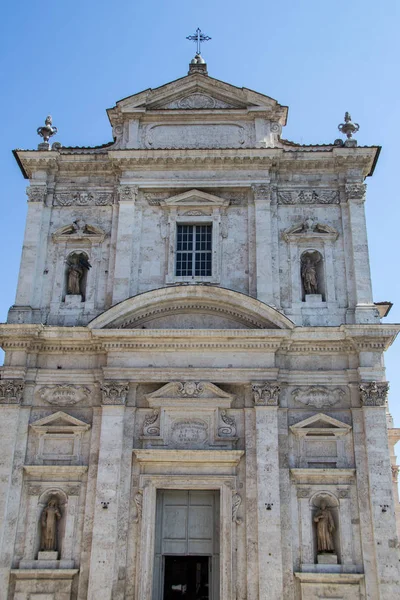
320, 424
195, 198
59, 421
79, 230
198, 91
190, 393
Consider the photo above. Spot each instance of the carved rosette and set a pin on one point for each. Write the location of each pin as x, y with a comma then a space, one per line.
127, 193
114, 393
11, 391
308, 197
356, 191
190, 389
318, 396
36, 193
150, 426
266, 394
373, 393
261, 191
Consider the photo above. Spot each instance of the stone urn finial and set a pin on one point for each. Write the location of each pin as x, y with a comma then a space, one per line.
348, 128
46, 132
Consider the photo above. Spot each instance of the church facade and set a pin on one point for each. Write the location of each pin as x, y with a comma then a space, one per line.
193, 401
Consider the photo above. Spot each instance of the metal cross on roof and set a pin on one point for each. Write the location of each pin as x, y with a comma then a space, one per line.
198, 37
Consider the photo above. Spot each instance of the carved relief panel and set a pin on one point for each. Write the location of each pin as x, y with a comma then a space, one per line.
192, 415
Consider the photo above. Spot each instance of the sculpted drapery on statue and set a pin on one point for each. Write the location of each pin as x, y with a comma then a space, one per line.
77, 265
48, 524
309, 275
325, 529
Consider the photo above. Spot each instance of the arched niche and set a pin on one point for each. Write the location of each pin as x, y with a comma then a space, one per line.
77, 266
312, 274
332, 503
62, 501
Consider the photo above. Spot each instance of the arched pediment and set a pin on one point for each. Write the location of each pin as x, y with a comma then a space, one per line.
191, 307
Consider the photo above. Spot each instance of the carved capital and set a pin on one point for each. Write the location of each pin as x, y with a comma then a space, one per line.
356, 191
36, 193
11, 391
395, 472
114, 393
261, 191
127, 193
373, 393
266, 394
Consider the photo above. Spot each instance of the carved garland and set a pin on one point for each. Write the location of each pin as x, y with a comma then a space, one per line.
83, 198
308, 197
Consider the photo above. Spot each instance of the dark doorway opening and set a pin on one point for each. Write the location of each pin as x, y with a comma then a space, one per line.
186, 578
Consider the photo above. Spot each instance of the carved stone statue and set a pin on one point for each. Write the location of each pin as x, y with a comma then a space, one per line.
48, 524
309, 274
77, 264
325, 529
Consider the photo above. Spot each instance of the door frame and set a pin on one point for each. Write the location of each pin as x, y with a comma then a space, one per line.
226, 485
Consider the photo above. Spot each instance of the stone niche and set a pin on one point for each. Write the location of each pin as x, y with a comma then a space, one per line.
319, 442
189, 415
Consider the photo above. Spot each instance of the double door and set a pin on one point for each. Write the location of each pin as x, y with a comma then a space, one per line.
186, 562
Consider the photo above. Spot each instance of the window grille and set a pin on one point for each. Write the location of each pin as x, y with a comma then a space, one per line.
194, 251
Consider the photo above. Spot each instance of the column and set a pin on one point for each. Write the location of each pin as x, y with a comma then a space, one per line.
33, 242
124, 243
373, 399
365, 311
263, 243
105, 523
266, 398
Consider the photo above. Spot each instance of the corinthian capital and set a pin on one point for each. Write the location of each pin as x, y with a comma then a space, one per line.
114, 392
36, 193
373, 393
261, 191
127, 193
266, 394
11, 391
356, 191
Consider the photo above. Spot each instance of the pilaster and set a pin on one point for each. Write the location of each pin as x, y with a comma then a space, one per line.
124, 243
105, 523
263, 243
269, 513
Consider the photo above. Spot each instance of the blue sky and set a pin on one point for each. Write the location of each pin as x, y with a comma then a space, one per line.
75, 59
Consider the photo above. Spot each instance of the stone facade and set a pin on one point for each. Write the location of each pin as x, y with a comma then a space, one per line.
249, 386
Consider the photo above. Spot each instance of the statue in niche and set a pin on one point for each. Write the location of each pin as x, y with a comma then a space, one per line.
77, 264
48, 524
325, 529
309, 273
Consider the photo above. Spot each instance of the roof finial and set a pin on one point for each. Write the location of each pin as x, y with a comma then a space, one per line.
348, 128
198, 64
46, 132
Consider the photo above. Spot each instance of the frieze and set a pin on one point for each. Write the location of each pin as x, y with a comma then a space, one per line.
236, 502
83, 198
114, 393
266, 394
228, 429
308, 197
36, 193
149, 426
318, 396
64, 394
373, 393
11, 391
